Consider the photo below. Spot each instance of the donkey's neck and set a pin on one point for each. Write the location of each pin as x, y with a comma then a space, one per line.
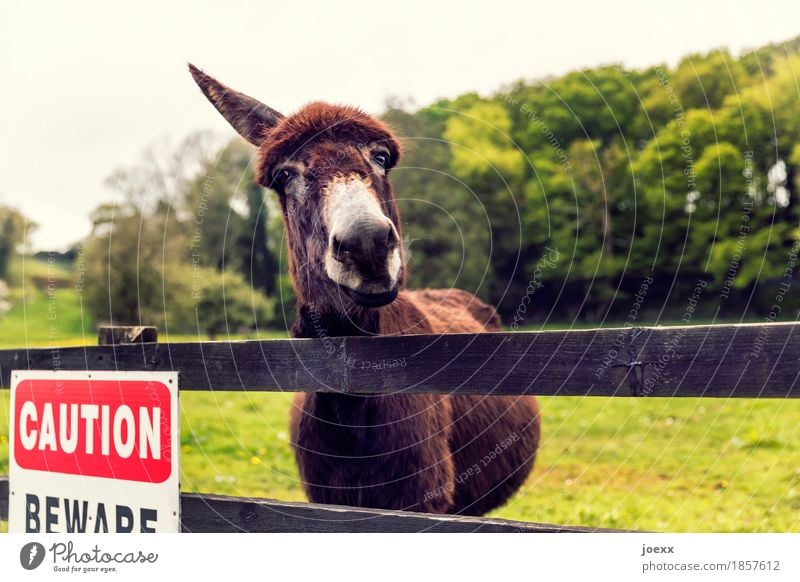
312, 323
401, 317
341, 412
346, 412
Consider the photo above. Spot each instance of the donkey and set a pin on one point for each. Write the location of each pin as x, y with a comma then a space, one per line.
329, 166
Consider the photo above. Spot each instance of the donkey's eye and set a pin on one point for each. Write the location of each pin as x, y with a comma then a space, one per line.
381, 158
283, 177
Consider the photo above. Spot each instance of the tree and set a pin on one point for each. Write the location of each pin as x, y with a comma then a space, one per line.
15, 230
229, 218
704, 81
226, 304
135, 272
181, 243
493, 167
444, 232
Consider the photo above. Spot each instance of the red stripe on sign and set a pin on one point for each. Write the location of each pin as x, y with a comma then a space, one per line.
102, 428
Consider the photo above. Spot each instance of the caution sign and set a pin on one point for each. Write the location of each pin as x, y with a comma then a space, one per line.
94, 452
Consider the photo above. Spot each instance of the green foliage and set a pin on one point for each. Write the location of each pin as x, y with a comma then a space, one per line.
187, 250
480, 144
14, 231
704, 81
134, 273
134, 277
445, 245
636, 173
226, 304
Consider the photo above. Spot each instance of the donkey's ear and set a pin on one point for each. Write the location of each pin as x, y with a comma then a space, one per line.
249, 117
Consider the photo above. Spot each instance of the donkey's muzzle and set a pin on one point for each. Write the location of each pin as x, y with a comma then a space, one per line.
363, 254
367, 261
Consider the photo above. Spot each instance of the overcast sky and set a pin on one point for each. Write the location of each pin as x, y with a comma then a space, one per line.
87, 86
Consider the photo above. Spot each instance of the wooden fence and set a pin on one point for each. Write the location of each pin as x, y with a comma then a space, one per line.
727, 361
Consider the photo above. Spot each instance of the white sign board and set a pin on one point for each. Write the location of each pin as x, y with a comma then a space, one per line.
94, 452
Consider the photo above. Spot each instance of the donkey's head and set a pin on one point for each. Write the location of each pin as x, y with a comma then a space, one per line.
329, 165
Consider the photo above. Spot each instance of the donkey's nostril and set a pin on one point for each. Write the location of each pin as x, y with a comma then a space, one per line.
341, 248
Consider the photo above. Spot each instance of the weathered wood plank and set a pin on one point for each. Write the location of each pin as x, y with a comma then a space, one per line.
748, 360
221, 514
213, 513
551, 362
741, 360
244, 365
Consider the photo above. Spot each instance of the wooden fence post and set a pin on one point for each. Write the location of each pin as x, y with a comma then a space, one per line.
108, 335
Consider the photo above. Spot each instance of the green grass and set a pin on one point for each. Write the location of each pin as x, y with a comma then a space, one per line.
650, 464
666, 465
36, 320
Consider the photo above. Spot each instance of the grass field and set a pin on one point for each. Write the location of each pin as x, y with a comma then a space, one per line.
652, 464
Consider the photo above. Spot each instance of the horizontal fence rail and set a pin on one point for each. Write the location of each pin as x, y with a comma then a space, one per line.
221, 514
745, 360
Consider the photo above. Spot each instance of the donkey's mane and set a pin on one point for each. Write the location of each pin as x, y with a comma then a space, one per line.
322, 122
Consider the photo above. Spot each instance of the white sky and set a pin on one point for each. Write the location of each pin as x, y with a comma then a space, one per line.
86, 86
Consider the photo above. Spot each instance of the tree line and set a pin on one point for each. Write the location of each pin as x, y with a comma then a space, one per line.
561, 197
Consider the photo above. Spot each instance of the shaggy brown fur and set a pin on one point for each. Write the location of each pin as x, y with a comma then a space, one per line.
438, 454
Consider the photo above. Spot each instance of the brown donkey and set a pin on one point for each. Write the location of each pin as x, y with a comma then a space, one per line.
440, 454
